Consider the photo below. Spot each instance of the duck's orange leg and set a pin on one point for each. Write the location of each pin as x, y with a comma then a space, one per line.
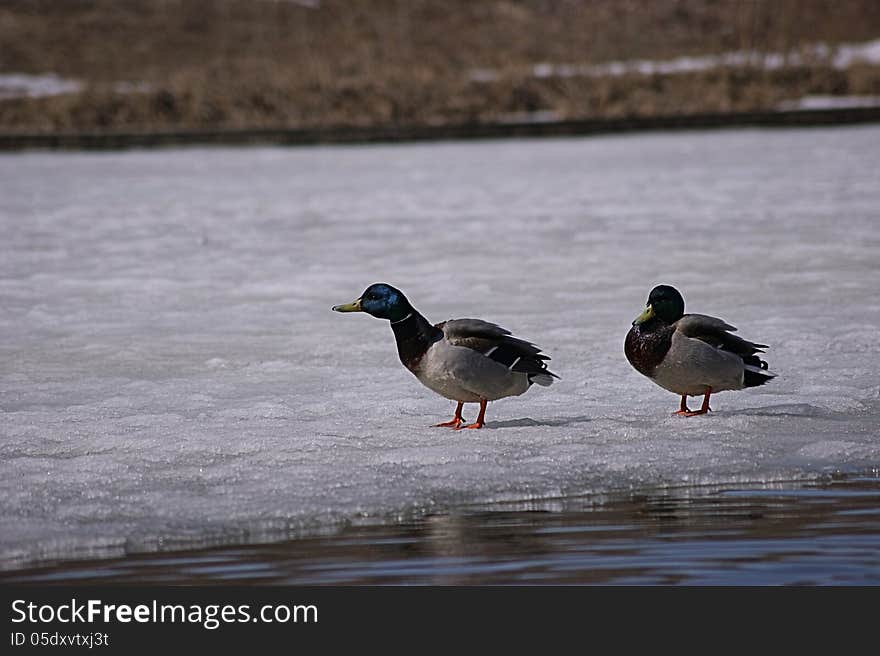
457, 420
683, 408
481, 418
703, 408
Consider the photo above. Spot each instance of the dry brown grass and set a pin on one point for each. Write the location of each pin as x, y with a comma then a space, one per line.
265, 63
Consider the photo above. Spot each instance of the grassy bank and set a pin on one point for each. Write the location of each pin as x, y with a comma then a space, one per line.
167, 65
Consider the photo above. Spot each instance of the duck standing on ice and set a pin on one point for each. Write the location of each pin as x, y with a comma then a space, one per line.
464, 360
691, 354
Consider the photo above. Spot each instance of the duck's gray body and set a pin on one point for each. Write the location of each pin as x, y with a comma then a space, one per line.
460, 367
692, 366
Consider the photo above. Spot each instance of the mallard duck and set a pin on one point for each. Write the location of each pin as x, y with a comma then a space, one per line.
691, 354
465, 360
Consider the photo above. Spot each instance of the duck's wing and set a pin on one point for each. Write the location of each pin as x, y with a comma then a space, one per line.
717, 333
496, 343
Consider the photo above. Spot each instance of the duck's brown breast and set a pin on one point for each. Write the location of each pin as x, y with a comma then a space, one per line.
645, 350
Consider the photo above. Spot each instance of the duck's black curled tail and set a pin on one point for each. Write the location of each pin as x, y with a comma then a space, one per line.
545, 378
756, 371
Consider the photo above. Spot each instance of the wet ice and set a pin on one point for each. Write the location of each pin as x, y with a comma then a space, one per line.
171, 373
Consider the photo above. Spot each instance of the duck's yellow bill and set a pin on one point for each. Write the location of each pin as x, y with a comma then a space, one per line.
349, 307
644, 316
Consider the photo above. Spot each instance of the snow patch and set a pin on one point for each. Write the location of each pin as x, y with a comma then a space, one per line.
829, 102
840, 57
22, 85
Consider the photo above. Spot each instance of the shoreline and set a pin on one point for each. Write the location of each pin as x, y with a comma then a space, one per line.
10, 142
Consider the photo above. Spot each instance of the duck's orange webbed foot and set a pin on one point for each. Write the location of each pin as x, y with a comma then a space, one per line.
684, 411
457, 420
481, 418
683, 408
455, 423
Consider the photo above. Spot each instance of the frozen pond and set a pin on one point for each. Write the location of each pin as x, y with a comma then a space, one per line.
171, 374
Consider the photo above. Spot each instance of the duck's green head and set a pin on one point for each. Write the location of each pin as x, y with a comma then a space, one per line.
664, 303
382, 301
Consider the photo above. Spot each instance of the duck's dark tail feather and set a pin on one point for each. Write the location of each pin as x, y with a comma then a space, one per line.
545, 378
522, 357
756, 372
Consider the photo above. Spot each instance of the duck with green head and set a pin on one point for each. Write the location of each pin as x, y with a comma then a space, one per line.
464, 360
691, 354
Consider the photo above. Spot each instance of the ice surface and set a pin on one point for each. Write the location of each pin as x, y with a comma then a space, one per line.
171, 373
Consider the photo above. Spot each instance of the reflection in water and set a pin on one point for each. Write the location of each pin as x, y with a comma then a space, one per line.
823, 533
